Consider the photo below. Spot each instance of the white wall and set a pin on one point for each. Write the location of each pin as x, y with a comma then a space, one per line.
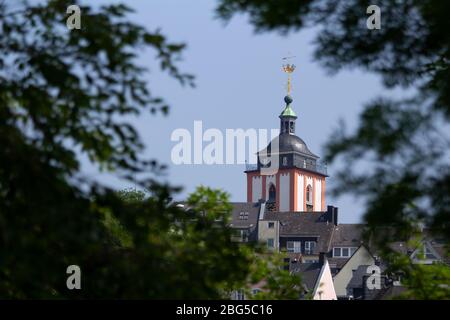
284, 191
264, 232
256, 188
324, 289
318, 195
300, 192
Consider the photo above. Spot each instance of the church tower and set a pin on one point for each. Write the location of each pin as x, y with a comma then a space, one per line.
299, 183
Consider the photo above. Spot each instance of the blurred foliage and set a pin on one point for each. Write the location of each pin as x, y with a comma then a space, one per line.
64, 94
398, 157
268, 273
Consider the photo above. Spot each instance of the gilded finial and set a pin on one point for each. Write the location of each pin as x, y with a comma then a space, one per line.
288, 68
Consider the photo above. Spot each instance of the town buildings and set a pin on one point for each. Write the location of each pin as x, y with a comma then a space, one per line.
286, 209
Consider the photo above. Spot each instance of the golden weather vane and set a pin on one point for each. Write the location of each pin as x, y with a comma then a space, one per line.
288, 68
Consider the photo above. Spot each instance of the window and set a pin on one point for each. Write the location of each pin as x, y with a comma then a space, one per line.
272, 193
337, 252
294, 246
284, 161
270, 243
345, 252
243, 215
271, 225
241, 235
291, 127
309, 194
310, 246
244, 235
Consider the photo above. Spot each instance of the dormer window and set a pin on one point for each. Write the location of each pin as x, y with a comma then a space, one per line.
310, 247
243, 215
343, 252
284, 161
294, 246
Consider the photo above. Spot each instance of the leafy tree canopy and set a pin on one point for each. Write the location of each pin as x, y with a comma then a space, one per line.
64, 94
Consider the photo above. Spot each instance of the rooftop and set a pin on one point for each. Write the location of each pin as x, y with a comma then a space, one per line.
315, 224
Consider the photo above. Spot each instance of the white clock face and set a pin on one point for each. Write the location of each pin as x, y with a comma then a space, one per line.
264, 161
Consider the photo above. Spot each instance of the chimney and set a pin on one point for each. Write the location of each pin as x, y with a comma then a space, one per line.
322, 258
335, 215
332, 215
262, 209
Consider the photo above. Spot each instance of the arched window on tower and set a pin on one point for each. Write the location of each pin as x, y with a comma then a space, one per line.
272, 193
292, 127
309, 204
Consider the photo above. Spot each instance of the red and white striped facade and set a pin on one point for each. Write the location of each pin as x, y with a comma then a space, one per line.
291, 185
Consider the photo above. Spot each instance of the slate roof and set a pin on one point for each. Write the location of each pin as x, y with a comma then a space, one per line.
309, 273
357, 279
253, 214
437, 245
306, 224
401, 247
440, 248
390, 292
347, 235
289, 143
337, 263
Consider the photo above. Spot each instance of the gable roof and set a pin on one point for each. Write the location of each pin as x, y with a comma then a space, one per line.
252, 218
441, 250
337, 263
347, 235
303, 224
309, 273
437, 248
357, 251
390, 292
357, 278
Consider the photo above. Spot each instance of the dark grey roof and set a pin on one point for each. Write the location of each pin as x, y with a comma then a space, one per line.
348, 235
337, 263
290, 143
391, 292
309, 273
441, 250
402, 247
303, 224
357, 279
253, 214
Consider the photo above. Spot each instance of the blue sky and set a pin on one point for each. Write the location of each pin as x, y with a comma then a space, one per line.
240, 85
